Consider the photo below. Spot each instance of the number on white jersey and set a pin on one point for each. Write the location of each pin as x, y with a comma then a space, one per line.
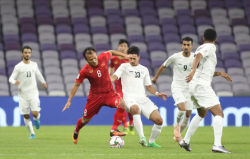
137, 75
99, 74
28, 74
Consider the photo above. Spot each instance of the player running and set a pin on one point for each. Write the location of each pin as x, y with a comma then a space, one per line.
133, 78
202, 94
25, 72
182, 62
101, 90
115, 62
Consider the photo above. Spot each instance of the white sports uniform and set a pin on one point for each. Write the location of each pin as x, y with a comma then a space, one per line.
200, 86
133, 79
27, 88
180, 88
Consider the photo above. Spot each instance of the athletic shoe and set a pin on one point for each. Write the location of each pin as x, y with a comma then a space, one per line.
177, 139
32, 136
37, 123
143, 142
220, 149
131, 129
75, 137
177, 130
126, 130
153, 145
185, 145
116, 132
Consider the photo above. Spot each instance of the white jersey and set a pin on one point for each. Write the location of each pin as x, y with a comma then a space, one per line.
182, 67
206, 68
133, 79
25, 73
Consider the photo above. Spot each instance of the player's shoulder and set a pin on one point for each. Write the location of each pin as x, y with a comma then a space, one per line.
125, 65
114, 58
85, 68
20, 64
143, 67
33, 63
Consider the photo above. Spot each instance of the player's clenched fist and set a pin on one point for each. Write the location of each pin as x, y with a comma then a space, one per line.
154, 81
66, 106
44, 85
17, 82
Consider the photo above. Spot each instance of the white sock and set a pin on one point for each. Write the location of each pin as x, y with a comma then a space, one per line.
29, 126
184, 123
217, 130
192, 127
36, 118
179, 116
138, 125
156, 130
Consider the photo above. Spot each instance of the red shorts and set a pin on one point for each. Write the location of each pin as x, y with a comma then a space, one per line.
119, 91
94, 103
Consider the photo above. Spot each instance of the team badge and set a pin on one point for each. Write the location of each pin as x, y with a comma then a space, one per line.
91, 71
116, 62
103, 64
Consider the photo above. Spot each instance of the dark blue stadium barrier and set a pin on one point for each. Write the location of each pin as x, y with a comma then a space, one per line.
236, 110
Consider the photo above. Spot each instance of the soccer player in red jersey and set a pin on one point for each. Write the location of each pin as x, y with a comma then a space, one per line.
101, 90
115, 62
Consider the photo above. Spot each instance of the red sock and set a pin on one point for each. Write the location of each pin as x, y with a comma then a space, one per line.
130, 118
118, 117
124, 121
79, 125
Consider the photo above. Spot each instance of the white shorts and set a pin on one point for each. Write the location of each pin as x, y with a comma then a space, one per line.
145, 104
203, 96
182, 97
26, 105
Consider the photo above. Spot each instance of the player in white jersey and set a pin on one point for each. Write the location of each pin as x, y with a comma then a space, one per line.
133, 78
182, 62
202, 94
23, 76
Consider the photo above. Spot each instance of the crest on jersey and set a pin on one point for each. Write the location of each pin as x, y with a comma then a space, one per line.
91, 71
116, 62
190, 64
116, 101
103, 64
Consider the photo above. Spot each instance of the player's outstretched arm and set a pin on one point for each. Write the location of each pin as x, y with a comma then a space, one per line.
72, 93
158, 73
113, 78
117, 53
152, 90
224, 75
196, 62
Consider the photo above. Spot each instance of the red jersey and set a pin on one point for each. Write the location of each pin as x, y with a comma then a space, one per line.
98, 76
116, 62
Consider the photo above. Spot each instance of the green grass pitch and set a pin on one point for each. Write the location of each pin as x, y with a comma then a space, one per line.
55, 142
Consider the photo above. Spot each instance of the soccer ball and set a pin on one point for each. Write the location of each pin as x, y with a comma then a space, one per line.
116, 142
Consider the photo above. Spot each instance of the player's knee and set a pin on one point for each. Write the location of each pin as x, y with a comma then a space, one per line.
135, 109
159, 121
26, 116
85, 121
188, 114
122, 103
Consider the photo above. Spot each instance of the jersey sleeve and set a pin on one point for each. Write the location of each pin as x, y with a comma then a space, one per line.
204, 50
119, 71
111, 64
147, 80
169, 61
39, 75
81, 76
14, 75
106, 55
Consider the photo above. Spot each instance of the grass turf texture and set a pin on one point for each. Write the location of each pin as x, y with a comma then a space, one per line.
55, 142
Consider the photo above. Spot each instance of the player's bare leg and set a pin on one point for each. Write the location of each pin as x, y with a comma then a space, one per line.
135, 110
218, 126
80, 123
202, 112
156, 130
181, 112
29, 126
118, 117
36, 117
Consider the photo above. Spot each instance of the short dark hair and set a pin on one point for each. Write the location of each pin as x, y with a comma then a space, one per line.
134, 50
26, 47
87, 50
187, 39
210, 35
121, 41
